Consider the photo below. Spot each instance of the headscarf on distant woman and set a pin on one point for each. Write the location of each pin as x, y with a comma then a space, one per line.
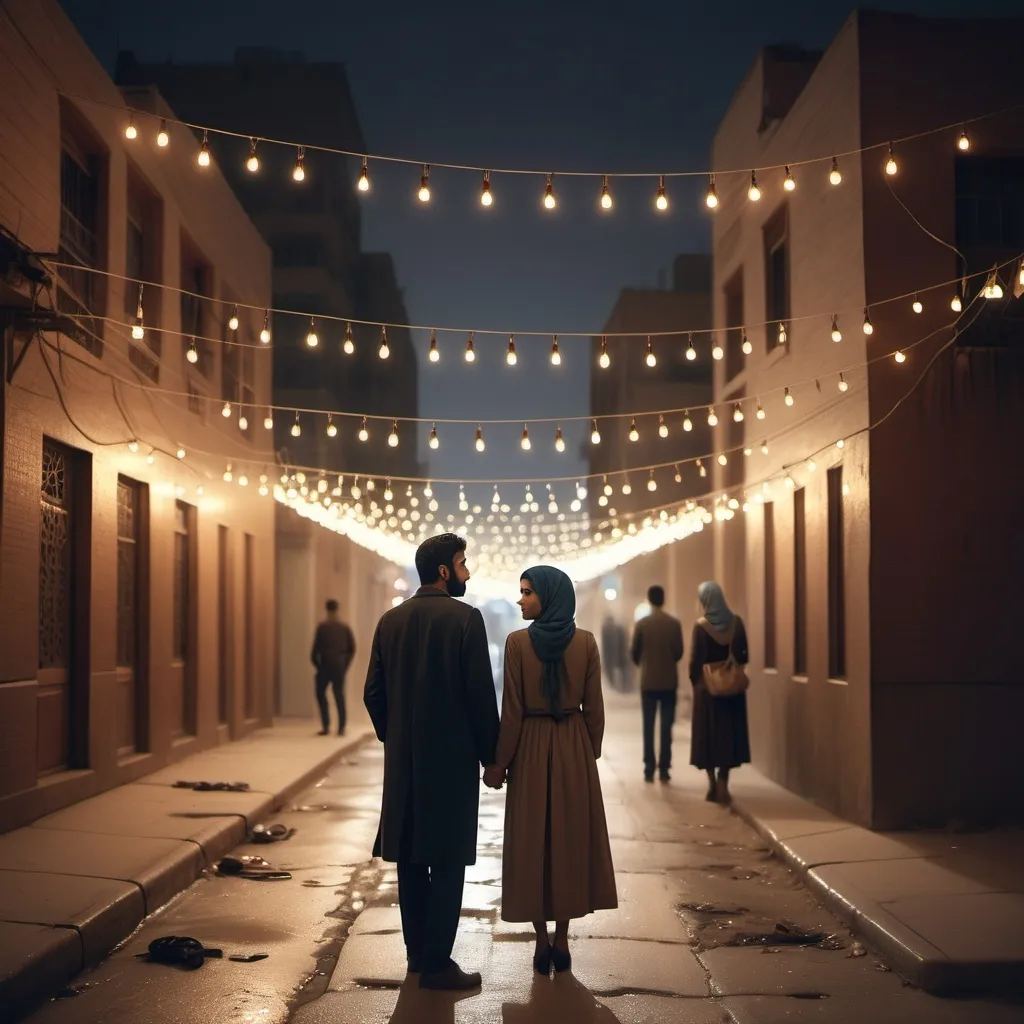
552, 630
717, 613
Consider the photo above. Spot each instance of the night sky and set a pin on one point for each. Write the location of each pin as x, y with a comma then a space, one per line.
579, 86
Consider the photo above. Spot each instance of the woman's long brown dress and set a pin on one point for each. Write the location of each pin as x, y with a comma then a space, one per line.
557, 860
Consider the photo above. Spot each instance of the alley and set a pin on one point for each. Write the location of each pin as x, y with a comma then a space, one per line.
707, 931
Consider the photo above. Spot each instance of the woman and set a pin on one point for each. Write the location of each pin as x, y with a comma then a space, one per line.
718, 737
557, 859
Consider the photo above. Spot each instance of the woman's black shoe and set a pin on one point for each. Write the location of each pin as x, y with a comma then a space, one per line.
542, 961
561, 958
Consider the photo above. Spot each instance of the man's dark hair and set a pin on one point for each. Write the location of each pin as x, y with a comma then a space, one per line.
332, 605
655, 596
435, 552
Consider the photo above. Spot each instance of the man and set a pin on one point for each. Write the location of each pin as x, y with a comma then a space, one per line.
657, 649
613, 654
333, 649
430, 695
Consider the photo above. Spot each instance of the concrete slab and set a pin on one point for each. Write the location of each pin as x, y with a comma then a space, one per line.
844, 846
35, 958
884, 880
636, 1008
614, 966
160, 867
102, 911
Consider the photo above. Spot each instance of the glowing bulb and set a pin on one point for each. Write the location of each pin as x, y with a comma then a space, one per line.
835, 176
789, 481
634, 434
890, 165
627, 488
811, 466
486, 199
717, 352
424, 192
604, 360
687, 423
723, 459
869, 327
384, 351
364, 434
364, 178
606, 196
840, 443
712, 417
203, 159
253, 163
652, 484
434, 442
162, 138
837, 335
556, 356
393, 436
662, 427
243, 421
433, 355
789, 182
138, 330
180, 453
917, 305
133, 446
843, 385
782, 334
754, 192
296, 430
899, 356
470, 353
993, 289
525, 442
661, 201
691, 352
955, 304
265, 333
788, 399
711, 198
650, 358
332, 430
311, 338
963, 143
595, 434
130, 131
227, 474
233, 319
701, 469
760, 410
737, 413
549, 194
480, 446
268, 421
559, 440
511, 358
747, 347
226, 410
299, 174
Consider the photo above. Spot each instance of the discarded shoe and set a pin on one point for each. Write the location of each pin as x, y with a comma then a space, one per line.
270, 834
255, 868
179, 951
209, 787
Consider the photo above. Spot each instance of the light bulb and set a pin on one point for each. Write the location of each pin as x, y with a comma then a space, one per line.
348, 346
788, 398
712, 417
661, 200
299, 174
837, 335
470, 353
525, 442
227, 474
393, 436
133, 446
511, 358
180, 453
634, 434
480, 446
701, 469
843, 385
723, 459
268, 421
963, 143
243, 480
604, 360
556, 356
789, 182
782, 334
162, 138
332, 430
678, 476
130, 131
890, 165
549, 194
203, 159
650, 358
717, 352
811, 466
789, 481
138, 330
662, 426
835, 176
434, 442
253, 163
687, 423
917, 306
955, 304
627, 488
243, 421
754, 192
993, 289
606, 196
226, 410
233, 319
384, 351
899, 356
869, 327
764, 451
595, 434
265, 333
760, 410
737, 413
691, 352
311, 339
424, 192
559, 440
652, 484
296, 430
486, 199
746, 346
364, 434
433, 355
711, 198
364, 178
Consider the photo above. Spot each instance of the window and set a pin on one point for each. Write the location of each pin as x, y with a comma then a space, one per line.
799, 584
196, 281
132, 705
181, 637
55, 558
734, 357
776, 276
836, 577
182, 703
770, 659
143, 251
127, 571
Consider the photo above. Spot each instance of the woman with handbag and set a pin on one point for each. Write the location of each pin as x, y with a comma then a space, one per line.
718, 656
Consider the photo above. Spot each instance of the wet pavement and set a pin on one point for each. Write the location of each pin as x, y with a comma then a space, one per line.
711, 927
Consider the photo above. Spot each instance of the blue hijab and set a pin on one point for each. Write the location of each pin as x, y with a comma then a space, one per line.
551, 632
718, 614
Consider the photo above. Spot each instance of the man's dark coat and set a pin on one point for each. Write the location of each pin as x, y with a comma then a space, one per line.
430, 695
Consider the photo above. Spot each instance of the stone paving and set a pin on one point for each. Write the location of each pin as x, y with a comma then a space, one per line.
709, 928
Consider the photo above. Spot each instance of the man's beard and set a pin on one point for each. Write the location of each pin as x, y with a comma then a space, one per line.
455, 587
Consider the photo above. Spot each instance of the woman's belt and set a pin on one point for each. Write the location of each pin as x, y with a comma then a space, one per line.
530, 713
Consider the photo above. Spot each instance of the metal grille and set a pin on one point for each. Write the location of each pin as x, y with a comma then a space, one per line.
127, 571
54, 558
78, 291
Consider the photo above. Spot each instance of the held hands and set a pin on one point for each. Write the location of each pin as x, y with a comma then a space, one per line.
494, 776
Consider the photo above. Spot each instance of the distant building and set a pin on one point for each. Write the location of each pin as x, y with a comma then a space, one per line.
313, 229
881, 581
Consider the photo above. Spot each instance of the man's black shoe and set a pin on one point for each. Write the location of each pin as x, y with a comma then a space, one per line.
648, 776
452, 979
664, 776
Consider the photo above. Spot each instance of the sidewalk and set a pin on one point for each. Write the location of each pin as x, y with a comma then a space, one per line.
78, 882
946, 910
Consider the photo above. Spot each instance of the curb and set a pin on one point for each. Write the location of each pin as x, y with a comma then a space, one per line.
35, 981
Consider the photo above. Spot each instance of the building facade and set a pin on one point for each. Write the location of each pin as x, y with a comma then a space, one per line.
879, 689
136, 582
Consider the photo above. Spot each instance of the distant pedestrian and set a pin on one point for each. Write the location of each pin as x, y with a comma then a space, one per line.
657, 648
334, 646
430, 695
718, 736
613, 654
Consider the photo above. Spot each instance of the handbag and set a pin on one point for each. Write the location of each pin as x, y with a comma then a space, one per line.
725, 678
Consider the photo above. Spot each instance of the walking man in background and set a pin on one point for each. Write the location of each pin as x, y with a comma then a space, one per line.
657, 649
333, 649
430, 695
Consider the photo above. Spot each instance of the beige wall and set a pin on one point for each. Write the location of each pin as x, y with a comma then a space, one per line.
31, 114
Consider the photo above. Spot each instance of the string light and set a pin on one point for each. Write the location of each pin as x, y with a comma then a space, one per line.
782, 336
433, 355
650, 358
486, 199
712, 417
604, 360
595, 434
606, 195
130, 131
364, 433
711, 197
480, 446
701, 469
723, 459
869, 327
253, 163
226, 410
180, 453
243, 420
955, 303
268, 421
227, 474
162, 138
556, 356
993, 289
559, 440
296, 430
525, 441
634, 434
789, 182
652, 484
233, 319
364, 178
691, 352
890, 165
760, 410
138, 329
843, 385
348, 346
299, 173
265, 333
754, 192
470, 353
133, 446
717, 352
433, 442
837, 335
332, 430
627, 488
737, 413
746, 346
917, 305
963, 143
835, 175
203, 159
662, 426
788, 398
549, 193
511, 358
687, 422
424, 193
899, 356
678, 475
393, 436
311, 336
384, 351
661, 200
764, 448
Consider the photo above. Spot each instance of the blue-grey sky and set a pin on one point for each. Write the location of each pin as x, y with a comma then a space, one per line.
566, 85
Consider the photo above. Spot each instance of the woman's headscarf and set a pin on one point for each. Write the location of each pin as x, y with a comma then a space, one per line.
552, 630
716, 611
